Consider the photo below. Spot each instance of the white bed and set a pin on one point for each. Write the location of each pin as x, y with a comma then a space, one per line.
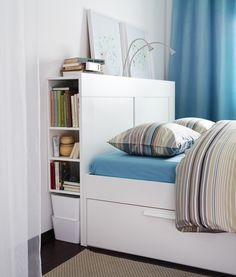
135, 216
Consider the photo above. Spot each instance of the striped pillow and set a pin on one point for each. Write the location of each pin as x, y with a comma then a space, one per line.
199, 125
155, 139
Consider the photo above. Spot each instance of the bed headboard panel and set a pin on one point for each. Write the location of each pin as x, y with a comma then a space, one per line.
111, 104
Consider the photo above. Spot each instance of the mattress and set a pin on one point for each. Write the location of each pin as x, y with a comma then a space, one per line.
121, 165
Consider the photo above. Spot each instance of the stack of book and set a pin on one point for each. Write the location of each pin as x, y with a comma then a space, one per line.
70, 186
72, 66
64, 107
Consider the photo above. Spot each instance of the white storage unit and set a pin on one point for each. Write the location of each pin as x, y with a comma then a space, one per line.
63, 122
66, 206
66, 229
66, 217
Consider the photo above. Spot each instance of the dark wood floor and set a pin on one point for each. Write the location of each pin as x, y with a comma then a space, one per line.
54, 253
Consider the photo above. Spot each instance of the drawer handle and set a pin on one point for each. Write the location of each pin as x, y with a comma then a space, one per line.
160, 214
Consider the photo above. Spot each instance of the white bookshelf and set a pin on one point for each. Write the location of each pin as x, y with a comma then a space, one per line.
55, 130
71, 198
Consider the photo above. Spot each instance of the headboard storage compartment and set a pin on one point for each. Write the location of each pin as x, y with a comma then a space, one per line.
112, 104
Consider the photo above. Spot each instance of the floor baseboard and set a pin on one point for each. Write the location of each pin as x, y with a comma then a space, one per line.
48, 236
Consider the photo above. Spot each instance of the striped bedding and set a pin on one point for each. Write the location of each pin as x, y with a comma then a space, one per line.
206, 182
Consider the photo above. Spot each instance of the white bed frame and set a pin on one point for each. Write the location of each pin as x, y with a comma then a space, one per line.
135, 216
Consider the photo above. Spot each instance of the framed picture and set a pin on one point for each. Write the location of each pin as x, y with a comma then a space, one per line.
104, 37
140, 65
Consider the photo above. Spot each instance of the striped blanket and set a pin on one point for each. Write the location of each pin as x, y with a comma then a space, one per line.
206, 182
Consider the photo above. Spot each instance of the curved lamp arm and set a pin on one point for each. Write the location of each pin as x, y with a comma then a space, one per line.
148, 44
127, 55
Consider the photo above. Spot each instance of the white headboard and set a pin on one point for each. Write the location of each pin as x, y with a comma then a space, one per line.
111, 104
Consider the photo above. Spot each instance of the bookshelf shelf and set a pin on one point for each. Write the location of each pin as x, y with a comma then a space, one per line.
64, 128
64, 192
65, 159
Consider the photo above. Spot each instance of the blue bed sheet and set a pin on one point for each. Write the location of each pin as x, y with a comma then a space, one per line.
122, 165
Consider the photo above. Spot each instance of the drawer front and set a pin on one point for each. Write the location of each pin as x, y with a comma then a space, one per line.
128, 228
152, 233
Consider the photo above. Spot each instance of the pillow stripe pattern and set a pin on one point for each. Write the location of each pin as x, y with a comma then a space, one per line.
155, 139
199, 125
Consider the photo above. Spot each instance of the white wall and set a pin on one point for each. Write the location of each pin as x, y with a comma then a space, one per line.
63, 33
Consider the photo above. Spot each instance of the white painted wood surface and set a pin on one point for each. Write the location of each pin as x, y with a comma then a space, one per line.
131, 229
135, 216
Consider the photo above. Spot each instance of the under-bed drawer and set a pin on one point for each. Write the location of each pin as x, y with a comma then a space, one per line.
149, 232
128, 228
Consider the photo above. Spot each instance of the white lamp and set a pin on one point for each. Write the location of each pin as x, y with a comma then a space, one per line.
146, 44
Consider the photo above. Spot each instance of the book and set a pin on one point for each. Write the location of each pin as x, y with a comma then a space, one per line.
62, 110
76, 153
83, 60
71, 190
68, 109
72, 151
68, 65
73, 110
68, 183
52, 175
76, 103
56, 108
64, 172
52, 113
57, 178
61, 88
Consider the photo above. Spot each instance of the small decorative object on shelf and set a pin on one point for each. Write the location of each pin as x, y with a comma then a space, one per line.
66, 145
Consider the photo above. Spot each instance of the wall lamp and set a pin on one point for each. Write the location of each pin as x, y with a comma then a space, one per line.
128, 64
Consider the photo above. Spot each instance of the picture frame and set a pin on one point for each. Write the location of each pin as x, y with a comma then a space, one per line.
104, 38
141, 66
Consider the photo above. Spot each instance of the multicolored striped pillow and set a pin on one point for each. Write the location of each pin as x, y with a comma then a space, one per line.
155, 139
199, 125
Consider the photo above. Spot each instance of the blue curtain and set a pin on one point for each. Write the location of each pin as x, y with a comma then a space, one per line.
204, 66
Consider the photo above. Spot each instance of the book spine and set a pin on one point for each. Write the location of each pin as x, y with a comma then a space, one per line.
68, 110
55, 108
73, 110
61, 110
65, 110
57, 179
76, 99
72, 152
76, 153
52, 120
73, 68
52, 175
58, 108
71, 189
